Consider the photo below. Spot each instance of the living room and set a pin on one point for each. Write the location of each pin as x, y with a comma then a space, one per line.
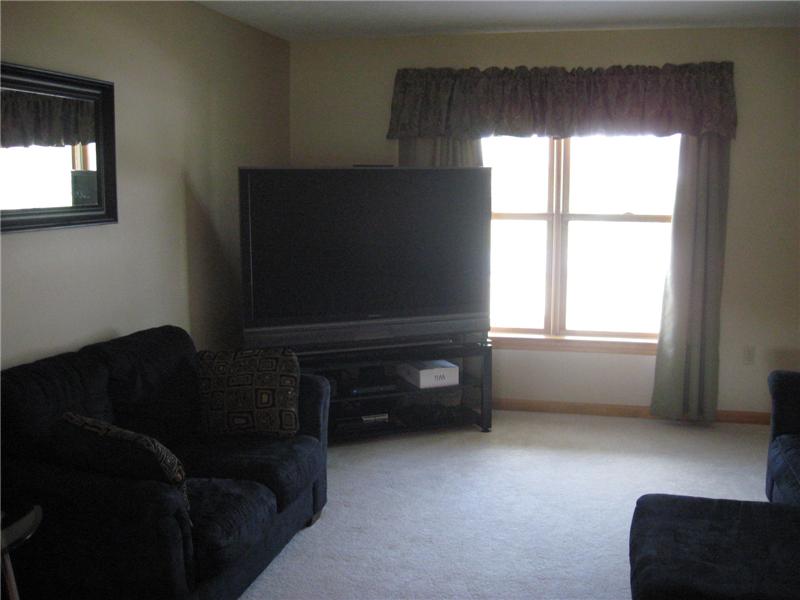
199, 94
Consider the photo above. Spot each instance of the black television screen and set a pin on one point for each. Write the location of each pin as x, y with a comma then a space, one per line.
338, 255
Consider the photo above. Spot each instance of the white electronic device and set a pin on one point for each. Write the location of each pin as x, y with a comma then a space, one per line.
429, 373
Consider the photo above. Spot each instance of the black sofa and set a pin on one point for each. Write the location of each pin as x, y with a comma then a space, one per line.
717, 549
115, 537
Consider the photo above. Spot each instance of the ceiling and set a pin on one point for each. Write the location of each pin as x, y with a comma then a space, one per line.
309, 20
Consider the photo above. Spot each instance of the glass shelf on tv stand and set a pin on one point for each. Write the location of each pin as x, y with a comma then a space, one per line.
369, 398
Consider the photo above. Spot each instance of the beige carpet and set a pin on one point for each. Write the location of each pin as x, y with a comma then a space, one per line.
539, 508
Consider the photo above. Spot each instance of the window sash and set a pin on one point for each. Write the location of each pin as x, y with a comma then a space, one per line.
558, 218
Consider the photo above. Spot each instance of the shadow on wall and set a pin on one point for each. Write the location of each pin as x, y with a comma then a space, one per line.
214, 283
784, 358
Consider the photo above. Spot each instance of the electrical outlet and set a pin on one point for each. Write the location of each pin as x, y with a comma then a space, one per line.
749, 355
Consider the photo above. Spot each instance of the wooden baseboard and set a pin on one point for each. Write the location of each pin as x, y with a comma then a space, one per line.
618, 410
750, 417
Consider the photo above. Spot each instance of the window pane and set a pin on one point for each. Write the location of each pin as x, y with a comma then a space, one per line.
627, 174
519, 172
24, 186
91, 153
615, 276
519, 267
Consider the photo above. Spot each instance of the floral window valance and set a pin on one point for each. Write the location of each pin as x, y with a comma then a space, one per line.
692, 99
44, 120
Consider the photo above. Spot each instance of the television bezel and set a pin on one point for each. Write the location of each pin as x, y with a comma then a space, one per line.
367, 332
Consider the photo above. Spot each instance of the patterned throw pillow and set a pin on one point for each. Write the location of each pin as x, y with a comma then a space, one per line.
250, 391
94, 445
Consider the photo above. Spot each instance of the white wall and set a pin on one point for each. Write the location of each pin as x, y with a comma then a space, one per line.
593, 378
197, 95
340, 98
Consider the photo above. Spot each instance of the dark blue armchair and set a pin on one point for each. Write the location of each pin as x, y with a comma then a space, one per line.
783, 463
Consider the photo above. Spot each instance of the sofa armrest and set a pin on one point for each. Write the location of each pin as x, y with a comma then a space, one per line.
314, 401
784, 387
116, 537
315, 394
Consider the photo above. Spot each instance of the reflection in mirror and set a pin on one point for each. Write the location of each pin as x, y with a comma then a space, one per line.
56, 150
71, 176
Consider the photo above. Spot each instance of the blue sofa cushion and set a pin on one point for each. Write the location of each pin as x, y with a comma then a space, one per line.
35, 395
287, 467
784, 466
249, 391
152, 381
699, 548
99, 447
229, 518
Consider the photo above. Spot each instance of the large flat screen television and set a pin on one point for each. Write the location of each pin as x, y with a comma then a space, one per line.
348, 257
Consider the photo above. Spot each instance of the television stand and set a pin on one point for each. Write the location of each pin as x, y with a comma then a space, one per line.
368, 397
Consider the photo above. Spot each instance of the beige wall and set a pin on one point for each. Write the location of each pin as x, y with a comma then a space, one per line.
197, 95
340, 98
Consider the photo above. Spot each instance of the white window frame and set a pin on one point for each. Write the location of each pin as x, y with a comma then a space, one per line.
554, 334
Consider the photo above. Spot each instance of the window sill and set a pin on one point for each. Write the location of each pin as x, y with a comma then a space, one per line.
515, 341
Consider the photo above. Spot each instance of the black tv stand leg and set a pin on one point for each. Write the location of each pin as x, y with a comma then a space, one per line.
486, 391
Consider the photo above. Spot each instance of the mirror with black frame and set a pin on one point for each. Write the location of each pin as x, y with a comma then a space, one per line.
57, 165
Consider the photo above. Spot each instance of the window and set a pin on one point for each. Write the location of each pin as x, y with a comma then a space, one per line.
580, 234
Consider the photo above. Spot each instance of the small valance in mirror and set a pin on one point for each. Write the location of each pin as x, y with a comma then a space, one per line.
34, 119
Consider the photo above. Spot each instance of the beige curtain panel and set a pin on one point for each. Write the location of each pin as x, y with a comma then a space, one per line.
439, 152
692, 99
687, 361
30, 119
